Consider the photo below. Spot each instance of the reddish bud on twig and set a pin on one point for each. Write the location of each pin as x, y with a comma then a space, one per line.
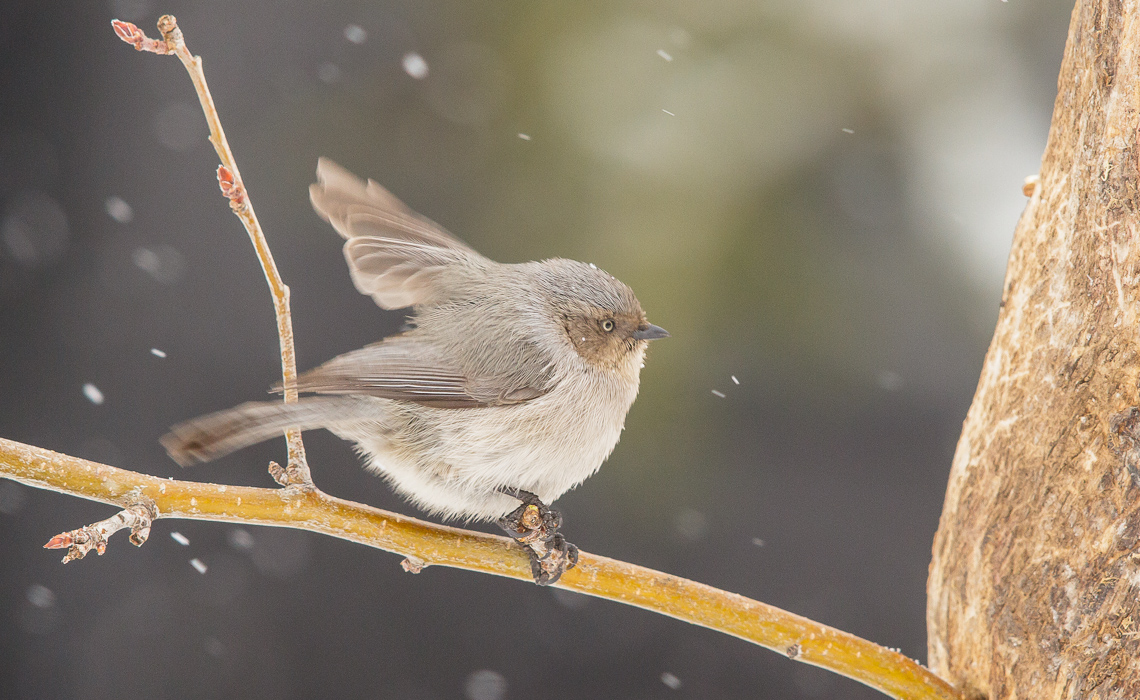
79, 542
128, 32
133, 35
232, 189
60, 541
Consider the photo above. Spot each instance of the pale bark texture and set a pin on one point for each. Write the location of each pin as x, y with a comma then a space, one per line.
1034, 587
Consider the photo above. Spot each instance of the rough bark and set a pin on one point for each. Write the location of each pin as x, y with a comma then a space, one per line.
1034, 587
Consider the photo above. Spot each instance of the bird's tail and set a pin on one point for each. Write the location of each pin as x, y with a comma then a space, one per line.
216, 435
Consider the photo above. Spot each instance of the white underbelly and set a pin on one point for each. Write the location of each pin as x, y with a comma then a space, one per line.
451, 462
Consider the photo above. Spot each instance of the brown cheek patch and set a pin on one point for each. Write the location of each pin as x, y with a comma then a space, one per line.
598, 347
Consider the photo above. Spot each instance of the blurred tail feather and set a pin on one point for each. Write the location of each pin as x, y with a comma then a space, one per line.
216, 435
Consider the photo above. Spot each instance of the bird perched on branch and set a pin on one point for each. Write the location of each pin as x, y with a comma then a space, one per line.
511, 384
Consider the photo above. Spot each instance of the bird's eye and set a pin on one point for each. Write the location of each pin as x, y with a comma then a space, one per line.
607, 325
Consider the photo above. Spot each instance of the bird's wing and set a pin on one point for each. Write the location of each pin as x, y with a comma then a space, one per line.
393, 253
405, 368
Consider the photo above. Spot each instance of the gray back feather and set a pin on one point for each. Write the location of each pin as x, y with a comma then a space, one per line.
485, 333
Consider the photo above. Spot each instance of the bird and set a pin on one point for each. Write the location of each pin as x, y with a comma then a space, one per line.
508, 386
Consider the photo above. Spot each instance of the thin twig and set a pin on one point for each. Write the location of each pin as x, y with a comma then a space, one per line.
138, 517
230, 182
427, 544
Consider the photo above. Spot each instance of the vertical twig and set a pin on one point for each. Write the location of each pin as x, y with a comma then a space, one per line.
229, 179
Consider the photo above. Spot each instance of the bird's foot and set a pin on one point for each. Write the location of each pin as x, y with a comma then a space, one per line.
559, 556
535, 525
531, 522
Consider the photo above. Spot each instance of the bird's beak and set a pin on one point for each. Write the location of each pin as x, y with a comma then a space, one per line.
650, 332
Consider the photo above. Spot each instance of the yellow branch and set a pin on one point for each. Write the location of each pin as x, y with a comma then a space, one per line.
439, 545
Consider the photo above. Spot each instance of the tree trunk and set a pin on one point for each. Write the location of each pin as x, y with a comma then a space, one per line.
1034, 588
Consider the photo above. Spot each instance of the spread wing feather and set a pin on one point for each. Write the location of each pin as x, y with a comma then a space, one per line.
393, 253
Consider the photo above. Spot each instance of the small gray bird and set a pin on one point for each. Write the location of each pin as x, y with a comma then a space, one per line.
511, 383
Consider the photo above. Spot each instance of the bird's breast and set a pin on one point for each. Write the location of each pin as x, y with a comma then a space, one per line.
546, 445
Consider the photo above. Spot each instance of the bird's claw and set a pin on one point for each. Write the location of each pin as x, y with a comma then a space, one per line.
535, 526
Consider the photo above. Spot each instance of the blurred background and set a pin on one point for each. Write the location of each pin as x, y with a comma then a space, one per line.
816, 198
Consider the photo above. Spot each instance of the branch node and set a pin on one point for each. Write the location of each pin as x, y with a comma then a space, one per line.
278, 474
232, 189
168, 25
413, 565
291, 477
138, 517
1031, 184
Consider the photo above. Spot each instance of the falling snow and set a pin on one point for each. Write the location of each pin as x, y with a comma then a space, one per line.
485, 685
34, 229
40, 596
355, 33
735, 380
240, 539
890, 381
718, 393
162, 262
668, 112
524, 137
670, 680
93, 394
664, 54
691, 524
180, 539
198, 565
415, 66
119, 210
